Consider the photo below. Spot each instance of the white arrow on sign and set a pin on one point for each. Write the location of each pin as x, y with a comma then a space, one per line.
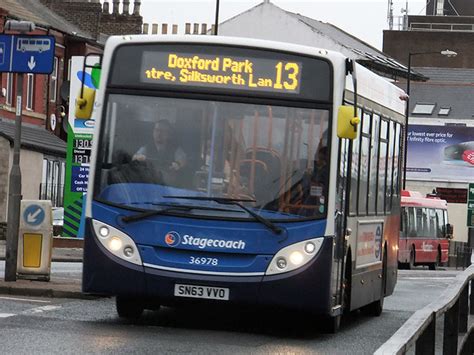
31, 63
31, 218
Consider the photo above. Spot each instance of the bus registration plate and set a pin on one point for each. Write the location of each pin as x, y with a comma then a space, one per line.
194, 291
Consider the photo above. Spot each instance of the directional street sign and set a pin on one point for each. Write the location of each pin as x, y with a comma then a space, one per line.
34, 215
27, 54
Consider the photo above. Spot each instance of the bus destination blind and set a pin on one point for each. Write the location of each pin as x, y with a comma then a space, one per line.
226, 72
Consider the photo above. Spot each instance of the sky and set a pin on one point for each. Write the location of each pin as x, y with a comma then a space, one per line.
365, 19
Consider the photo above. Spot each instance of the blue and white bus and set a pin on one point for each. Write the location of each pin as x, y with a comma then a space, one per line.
235, 171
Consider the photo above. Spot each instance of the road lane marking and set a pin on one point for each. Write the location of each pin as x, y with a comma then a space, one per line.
6, 315
41, 309
23, 299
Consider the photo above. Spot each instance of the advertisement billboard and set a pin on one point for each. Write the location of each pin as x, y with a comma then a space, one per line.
442, 153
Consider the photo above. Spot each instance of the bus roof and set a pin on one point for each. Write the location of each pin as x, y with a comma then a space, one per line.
370, 85
114, 41
416, 199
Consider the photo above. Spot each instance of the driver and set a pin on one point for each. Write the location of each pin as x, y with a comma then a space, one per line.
164, 156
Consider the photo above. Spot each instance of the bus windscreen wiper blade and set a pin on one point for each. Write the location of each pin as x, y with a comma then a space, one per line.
169, 208
150, 213
236, 202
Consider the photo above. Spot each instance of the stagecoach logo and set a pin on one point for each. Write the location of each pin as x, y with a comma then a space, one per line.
172, 239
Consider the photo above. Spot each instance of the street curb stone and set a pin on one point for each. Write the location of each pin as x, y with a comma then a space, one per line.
45, 292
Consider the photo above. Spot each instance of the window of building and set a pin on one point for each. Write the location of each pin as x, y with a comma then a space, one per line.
53, 81
9, 93
444, 111
423, 109
52, 184
439, 7
30, 91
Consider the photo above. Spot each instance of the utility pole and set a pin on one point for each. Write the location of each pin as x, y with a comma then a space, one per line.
216, 22
14, 186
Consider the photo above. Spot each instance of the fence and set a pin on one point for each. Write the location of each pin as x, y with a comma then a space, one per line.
459, 255
456, 304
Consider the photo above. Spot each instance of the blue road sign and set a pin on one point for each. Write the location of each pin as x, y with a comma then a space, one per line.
34, 215
27, 54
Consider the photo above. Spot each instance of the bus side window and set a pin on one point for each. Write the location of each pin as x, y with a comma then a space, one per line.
412, 222
432, 222
440, 224
403, 222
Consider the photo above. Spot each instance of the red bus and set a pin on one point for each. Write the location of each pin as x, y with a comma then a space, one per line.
425, 231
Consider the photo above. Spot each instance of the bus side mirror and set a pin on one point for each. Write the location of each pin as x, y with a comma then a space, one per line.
347, 123
449, 231
85, 104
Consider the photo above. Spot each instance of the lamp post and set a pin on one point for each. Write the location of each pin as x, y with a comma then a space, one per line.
447, 53
216, 22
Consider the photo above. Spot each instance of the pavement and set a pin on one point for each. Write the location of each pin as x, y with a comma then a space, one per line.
60, 285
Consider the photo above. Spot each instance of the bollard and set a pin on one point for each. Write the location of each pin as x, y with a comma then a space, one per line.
35, 240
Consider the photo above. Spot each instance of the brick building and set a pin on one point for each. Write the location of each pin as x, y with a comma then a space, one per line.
441, 109
97, 19
79, 28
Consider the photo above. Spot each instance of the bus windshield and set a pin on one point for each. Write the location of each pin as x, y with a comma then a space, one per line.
274, 158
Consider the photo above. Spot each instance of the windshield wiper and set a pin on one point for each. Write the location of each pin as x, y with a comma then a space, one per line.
169, 208
236, 202
151, 213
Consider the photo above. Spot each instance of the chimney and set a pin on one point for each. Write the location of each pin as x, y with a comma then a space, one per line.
196, 29
154, 29
146, 28
105, 7
126, 7
213, 30
164, 28
204, 28
136, 7
115, 9
175, 29
188, 29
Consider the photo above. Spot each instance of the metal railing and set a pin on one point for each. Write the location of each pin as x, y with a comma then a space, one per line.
456, 304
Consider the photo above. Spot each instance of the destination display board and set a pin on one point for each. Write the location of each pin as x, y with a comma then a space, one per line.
242, 73
214, 69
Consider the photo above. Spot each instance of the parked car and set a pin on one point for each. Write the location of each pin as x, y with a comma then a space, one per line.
58, 217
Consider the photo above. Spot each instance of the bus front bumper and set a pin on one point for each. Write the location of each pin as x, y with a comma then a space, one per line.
306, 289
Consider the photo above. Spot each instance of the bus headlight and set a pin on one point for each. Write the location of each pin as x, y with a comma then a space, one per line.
117, 242
294, 256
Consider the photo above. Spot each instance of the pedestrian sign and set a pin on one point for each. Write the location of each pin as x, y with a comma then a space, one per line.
27, 54
34, 215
